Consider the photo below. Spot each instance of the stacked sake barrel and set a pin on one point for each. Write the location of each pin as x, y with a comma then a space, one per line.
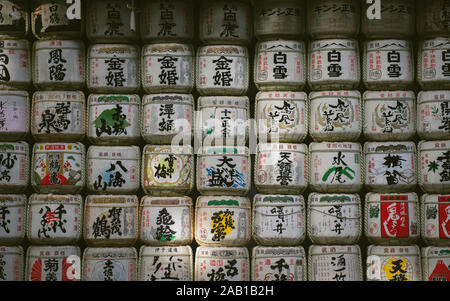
223, 179
391, 210
168, 69
281, 162
334, 218
15, 79
433, 129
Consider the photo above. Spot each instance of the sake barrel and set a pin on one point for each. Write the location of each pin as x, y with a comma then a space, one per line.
435, 262
223, 120
393, 263
389, 115
331, 18
433, 116
433, 64
281, 168
388, 64
167, 170
390, 166
15, 21
335, 263
14, 115
333, 64
15, 64
225, 22
435, 219
222, 221
168, 67
110, 220
53, 263
223, 170
433, 169
113, 169
14, 166
13, 219
432, 18
166, 263
166, 221
278, 220
281, 116
278, 264
397, 20
280, 65
58, 167
54, 219
110, 264
167, 118
112, 21
274, 19
335, 115
57, 19
12, 263
113, 68
59, 65
392, 219
334, 218
167, 21
58, 116
221, 264
113, 119
222, 70
335, 167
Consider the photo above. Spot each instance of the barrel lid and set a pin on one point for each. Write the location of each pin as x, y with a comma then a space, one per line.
113, 152
280, 45
101, 200
95, 99
221, 252
168, 48
166, 201
55, 198
93, 253
435, 252
121, 50
165, 251
317, 199
11, 250
222, 49
372, 197
435, 43
291, 147
281, 95
74, 147
336, 94
16, 147
435, 198
271, 199
15, 44
14, 93
52, 251
58, 96
223, 150
333, 249
387, 44
335, 146
168, 149
434, 95
393, 250
222, 201
388, 95
42, 44
434, 145
169, 98
330, 44
217, 101
15, 199
389, 147
264, 252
